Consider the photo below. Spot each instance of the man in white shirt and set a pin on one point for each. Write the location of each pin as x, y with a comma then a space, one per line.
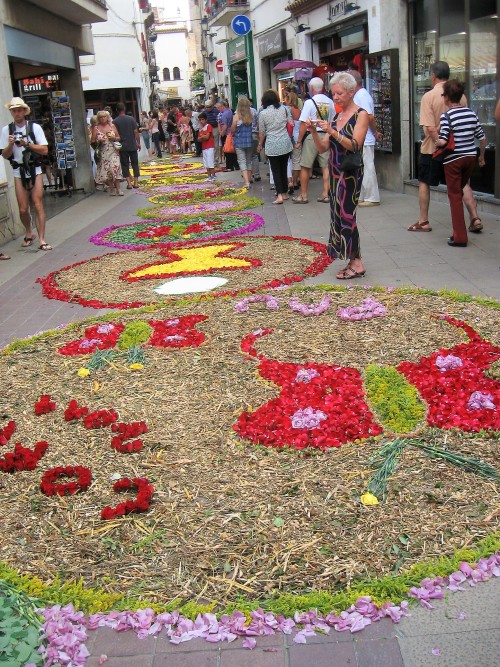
319, 107
369, 189
19, 141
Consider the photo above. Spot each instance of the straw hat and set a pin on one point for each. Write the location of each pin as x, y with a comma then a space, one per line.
16, 103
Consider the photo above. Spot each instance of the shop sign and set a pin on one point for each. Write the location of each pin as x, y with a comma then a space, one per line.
337, 9
271, 43
39, 84
236, 49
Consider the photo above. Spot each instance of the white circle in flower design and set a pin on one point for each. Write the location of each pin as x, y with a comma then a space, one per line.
192, 284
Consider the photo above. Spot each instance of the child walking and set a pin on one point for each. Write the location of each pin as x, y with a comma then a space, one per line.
206, 137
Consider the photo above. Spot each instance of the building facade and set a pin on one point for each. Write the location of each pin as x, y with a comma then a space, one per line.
119, 69
40, 45
391, 42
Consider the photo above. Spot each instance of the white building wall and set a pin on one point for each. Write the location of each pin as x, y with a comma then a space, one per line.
172, 51
269, 15
119, 60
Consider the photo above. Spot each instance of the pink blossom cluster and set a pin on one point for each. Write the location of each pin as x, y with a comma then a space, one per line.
432, 589
64, 634
190, 209
368, 309
306, 375
480, 401
308, 418
308, 310
65, 630
448, 362
271, 302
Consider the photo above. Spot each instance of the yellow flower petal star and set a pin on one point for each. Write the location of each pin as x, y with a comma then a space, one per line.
136, 367
83, 372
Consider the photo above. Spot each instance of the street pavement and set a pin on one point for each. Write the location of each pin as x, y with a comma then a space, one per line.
464, 628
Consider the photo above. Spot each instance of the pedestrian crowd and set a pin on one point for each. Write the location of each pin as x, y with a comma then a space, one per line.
332, 132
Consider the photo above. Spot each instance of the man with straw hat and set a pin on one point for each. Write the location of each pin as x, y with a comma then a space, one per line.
23, 143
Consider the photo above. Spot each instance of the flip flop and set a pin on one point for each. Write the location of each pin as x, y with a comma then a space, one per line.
2, 256
324, 200
27, 242
300, 200
419, 227
349, 273
45, 246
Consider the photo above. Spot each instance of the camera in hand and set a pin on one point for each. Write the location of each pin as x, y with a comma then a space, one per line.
17, 138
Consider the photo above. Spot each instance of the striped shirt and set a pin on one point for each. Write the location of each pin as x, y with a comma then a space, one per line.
465, 127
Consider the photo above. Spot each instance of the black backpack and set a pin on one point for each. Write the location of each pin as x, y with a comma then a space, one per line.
27, 168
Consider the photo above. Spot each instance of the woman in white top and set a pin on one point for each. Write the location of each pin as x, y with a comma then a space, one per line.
273, 121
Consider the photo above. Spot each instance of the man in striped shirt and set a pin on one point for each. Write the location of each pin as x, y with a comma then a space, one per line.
429, 172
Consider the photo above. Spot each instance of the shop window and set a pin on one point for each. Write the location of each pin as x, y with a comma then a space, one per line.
177, 73
452, 51
351, 36
166, 74
482, 86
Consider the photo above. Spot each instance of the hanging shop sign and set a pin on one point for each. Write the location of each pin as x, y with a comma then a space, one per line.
272, 42
39, 84
236, 50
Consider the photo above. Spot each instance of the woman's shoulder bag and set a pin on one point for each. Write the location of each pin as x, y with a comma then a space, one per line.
353, 160
445, 151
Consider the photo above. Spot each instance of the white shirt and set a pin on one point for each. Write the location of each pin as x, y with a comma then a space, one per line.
194, 120
364, 100
18, 151
325, 106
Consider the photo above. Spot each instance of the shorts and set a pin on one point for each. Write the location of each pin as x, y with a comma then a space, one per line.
296, 155
208, 158
430, 172
310, 153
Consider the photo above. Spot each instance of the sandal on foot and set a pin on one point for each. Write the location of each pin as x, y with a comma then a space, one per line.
420, 227
2, 256
45, 246
349, 273
27, 241
300, 200
324, 200
120, 194
476, 226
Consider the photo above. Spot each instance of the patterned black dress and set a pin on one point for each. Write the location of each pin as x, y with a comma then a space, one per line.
345, 189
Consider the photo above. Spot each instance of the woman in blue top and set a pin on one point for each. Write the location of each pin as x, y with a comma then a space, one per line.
241, 129
272, 129
458, 166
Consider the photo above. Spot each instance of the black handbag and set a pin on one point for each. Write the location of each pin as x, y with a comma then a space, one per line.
353, 160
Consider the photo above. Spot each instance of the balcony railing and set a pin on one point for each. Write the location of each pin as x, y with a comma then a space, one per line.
212, 9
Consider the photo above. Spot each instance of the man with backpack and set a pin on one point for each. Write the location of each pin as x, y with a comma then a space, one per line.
23, 144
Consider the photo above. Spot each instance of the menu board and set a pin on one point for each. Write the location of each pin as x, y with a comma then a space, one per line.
63, 130
382, 82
